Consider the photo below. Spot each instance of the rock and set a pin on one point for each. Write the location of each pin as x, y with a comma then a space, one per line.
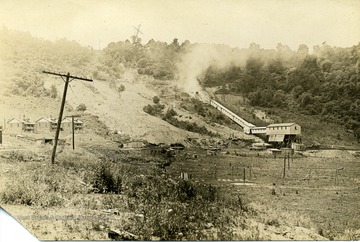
118, 235
101, 227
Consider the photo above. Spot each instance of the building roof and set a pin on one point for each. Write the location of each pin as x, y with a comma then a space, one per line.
258, 128
67, 119
15, 120
50, 120
281, 125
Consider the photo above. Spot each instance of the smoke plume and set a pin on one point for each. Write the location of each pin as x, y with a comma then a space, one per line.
200, 57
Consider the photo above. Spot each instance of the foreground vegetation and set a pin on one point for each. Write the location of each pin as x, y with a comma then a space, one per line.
141, 197
162, 207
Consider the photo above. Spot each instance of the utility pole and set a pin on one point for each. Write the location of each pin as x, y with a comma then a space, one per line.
136, 36
73, 129
67, 81
137, 31
73, 132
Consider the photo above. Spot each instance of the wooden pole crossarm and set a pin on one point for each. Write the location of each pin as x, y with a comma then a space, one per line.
68, 75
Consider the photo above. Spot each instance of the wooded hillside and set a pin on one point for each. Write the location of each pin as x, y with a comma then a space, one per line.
325, 83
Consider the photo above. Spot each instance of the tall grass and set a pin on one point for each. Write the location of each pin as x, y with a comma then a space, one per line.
42, 185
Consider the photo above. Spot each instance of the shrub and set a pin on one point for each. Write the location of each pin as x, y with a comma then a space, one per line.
170, 113
53, 91
185, 191
156, 99
105, 179
81, 107
121, 88
273, 222
154, 110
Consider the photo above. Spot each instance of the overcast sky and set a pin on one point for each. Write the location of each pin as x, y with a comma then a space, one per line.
233, 22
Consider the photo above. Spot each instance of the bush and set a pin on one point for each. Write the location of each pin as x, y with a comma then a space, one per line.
154, 110
185, 191
81, 107
156, 99
170, 113
53, 91
121, 88
105, 179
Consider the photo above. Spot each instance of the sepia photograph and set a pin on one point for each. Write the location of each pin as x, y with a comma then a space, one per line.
180, 120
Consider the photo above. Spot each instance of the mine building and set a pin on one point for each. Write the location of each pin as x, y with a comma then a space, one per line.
283, 134
16, 126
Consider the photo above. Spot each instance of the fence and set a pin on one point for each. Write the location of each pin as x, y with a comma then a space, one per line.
266, 170
286, 175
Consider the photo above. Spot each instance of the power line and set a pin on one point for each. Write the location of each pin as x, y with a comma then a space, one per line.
68, 79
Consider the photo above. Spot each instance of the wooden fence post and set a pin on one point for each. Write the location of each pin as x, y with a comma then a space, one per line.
244, 174
284, 167
288, 157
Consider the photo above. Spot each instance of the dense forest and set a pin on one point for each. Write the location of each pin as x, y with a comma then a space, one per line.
324, 83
